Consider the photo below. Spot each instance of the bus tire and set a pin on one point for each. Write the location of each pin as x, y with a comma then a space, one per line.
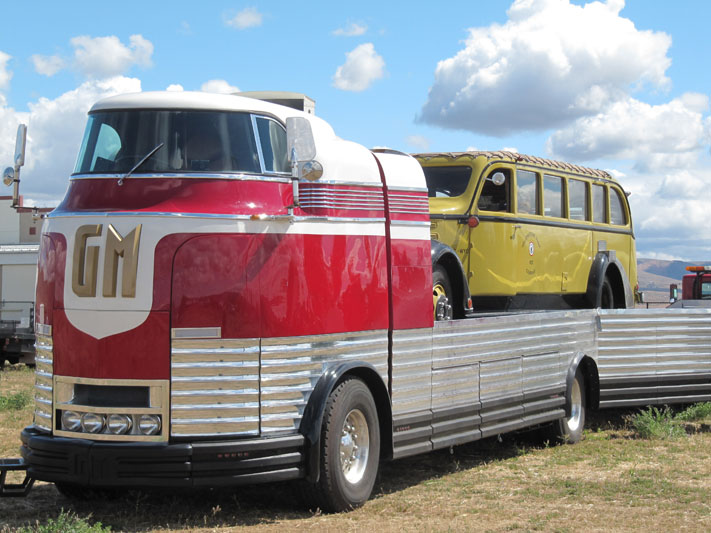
607, 295
441, 294
569, 429
350, 449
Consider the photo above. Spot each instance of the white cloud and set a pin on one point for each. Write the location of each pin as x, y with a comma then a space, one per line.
54, 132
667, 135
175, 88
510, 149
362, 67
550, 63
5, 74
101, 57
419, 142
218, 86
47, 65
352, 29
249, 17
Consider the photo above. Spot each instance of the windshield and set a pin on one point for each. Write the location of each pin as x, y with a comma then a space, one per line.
446, 181
194, 141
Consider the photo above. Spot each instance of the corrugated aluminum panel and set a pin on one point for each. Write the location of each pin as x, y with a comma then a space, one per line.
654, 342
412, 371
214, 387
291, 366
516, 353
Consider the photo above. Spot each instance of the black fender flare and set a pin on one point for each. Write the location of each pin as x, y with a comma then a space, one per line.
592, 381
598, 271
445, 255
312, 419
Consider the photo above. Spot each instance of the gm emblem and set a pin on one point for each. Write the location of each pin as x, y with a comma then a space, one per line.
85, 262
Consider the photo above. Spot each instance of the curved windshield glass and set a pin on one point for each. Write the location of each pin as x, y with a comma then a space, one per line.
193, 141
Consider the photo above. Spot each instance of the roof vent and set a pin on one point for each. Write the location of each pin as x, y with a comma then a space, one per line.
297, 101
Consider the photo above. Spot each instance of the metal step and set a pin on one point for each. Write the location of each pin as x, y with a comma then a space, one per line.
14, 490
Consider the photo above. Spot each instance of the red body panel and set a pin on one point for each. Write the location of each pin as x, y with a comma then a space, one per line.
278, 285
142, 353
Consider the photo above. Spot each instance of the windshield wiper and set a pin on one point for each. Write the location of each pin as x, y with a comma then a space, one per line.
145, 158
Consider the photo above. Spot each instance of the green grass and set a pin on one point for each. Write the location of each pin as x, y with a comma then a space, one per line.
656, 423
15, 402
696, 412
66, 522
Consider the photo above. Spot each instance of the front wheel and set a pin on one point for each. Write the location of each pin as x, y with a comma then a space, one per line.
441, 294
570, 428
350, 449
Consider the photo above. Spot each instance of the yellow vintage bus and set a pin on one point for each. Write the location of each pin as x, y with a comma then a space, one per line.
520, 232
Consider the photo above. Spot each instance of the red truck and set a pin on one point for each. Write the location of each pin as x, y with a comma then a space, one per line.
230, 294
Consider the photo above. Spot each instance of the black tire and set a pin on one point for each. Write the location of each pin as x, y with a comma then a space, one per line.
441, 295
570, 428
607, 296
347, 475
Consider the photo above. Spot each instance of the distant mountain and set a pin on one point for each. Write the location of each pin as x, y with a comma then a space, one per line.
656, 274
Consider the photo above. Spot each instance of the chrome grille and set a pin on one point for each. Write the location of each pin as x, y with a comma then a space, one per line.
44, 373
291, 366
215, 387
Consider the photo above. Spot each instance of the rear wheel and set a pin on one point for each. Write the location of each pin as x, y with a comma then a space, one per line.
607, 297
350, 449
570, 428
441, 294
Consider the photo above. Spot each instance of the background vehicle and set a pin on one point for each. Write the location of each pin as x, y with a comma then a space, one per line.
530, 233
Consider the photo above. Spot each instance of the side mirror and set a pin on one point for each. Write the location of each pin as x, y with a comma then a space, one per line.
300, 140
20, 145
302, 151
498, 179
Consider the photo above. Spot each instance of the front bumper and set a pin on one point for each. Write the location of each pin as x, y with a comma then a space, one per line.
180, 465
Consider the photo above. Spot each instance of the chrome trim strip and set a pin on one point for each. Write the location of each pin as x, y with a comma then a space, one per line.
352, 220
422, 223
177, 175
196, 333
409, 189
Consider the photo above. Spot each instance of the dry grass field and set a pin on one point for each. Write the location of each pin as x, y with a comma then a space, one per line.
611, 481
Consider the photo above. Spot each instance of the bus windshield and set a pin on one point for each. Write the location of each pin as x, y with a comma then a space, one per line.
193, 141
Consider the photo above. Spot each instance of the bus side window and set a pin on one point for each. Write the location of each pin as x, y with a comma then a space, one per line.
527, 192
578, 199
617, 208
495, 197
553, 196
598, 198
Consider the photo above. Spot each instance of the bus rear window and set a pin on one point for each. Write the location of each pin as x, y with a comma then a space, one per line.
446, 182
617, 208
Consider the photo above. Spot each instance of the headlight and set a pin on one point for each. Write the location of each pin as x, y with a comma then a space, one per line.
119, 424
92, 422
71, 421
149, 424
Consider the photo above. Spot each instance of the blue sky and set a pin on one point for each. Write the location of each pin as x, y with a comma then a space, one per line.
617, 85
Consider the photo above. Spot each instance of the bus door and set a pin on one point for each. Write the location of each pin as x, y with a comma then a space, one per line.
493, 250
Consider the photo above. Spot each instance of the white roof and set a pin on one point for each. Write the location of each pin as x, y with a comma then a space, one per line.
343, 161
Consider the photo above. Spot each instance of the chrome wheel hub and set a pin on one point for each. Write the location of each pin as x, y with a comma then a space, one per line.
576, 406
354, 446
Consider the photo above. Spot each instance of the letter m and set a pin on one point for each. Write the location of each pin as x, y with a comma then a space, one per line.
127, 248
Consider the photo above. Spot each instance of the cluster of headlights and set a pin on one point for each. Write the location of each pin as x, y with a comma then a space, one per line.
114, 423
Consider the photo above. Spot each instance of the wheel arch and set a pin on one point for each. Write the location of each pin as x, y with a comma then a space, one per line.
311, 421
446, 257
607, 265
589, 369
